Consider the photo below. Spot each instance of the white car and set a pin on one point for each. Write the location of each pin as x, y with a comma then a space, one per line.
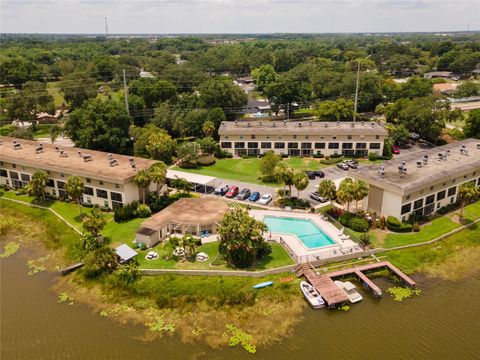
265, 199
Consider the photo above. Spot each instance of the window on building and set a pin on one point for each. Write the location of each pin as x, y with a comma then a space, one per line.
100, 182
14, 175
429, 199
406, 208
452, 191
319, 145
279, 145
306, 145
239, 145
62, 175
347, 145
266, 145
226, 145
102, 194
25, 177
377, 136
333, 145
306, 137
60, 184
14, 166
441, 195
89, 180
334, 137
294, 136
349, 137
252, 137
417, 204
51, 183
292, 145
253, 145
116, 196
374, 145
361, 145
407, 197
117, 186
88, 190
3, 173
431, 187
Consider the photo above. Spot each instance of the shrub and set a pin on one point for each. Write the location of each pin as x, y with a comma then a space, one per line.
383, 223
393, 221
125, 213
318, 156
359, 224
335, 212
346, 218
372, 156
143, 211
416, 227
332, 160
443, 210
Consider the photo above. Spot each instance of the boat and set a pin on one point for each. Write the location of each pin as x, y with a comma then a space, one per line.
349, 289
312, 295
263, 284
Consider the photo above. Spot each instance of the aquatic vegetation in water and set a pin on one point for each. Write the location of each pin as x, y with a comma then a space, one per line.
161, 325
10, 249
400, 293
34, 268
103, 313
64, 297
345, 308
240, 337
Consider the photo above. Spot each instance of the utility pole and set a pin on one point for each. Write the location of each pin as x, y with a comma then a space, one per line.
125, 89
356, 93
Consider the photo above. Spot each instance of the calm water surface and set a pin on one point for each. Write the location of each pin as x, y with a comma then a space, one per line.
442, 323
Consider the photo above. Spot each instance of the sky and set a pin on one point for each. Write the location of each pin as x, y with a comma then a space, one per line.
237, 16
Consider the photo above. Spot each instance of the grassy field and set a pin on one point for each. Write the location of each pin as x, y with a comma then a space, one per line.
279, 257
53, 89
430, 231
248, 170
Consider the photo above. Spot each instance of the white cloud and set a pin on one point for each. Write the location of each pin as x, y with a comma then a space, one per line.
237, 16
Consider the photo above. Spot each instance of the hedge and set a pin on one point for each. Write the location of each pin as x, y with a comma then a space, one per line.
359, 224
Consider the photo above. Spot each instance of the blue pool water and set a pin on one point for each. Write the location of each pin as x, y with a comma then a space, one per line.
306, 230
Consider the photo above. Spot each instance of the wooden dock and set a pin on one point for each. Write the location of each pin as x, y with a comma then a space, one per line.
330, 292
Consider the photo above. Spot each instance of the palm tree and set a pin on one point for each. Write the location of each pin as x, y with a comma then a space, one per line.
94, 222
189, 244
181, 184
359, 192
364, 240
285, 174
142, 180
345, 192
467, 192
158, 174
327, 189
208, 128
75, 188
300, 181
37, 184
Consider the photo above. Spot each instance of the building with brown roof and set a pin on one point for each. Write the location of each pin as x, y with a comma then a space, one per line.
421, 182
302, 138
186, 216
108, 177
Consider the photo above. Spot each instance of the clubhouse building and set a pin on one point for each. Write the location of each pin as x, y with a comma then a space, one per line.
421, 182
108, 178
302, 138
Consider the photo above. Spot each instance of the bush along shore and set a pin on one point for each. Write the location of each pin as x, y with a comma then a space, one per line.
219, 311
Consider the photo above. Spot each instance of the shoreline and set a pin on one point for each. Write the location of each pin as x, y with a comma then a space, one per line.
194, 313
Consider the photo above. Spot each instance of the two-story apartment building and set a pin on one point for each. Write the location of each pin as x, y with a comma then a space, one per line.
301, 138
421, 182
108, 178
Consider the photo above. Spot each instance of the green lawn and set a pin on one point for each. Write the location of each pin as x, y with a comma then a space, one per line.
279, 257
248, 170
42, 131
437, 227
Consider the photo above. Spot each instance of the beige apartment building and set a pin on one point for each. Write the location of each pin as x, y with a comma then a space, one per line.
108, 178
301, 138
421, 182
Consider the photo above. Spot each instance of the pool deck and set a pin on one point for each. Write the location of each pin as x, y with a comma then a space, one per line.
297, 249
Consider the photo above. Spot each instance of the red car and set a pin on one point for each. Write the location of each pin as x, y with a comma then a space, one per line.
395, 150
232, 192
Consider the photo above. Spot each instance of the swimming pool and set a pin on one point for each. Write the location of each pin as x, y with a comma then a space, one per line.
305, 230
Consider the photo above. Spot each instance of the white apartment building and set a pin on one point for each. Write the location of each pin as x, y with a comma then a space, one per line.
431, 179
301, 138
108, 178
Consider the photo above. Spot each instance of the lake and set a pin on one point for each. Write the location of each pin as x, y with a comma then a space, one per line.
442, 323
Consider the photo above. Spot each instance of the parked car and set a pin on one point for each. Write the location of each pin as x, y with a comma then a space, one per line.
395, 150
232, 192
311, 175
221, 190
343, 166
243, 195
265, 199
415, 136
319, 173
316, 196
254, 197
352, 164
